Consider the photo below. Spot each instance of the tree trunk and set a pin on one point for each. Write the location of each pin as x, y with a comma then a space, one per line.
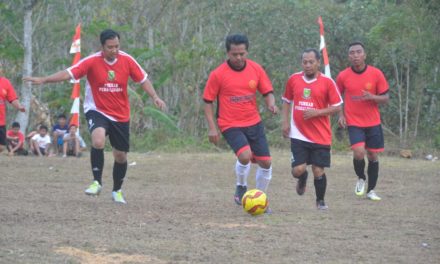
26, 90
405, 134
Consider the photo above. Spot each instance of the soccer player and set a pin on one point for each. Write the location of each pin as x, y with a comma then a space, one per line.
308, 100
364, 88
106, 104
7, 94
234, 85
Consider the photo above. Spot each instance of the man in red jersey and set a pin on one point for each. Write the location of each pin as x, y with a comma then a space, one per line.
106, 104
308, 100
234, 85
364, 88
7, 94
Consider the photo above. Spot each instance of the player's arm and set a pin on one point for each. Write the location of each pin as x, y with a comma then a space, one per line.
312, 113
379, 99
269, 99
56, 77
285, 118
149, 89
213, 134
16, 104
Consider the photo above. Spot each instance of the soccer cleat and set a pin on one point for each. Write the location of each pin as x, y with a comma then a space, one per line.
320, 205
239, 192
373, 196
118, 197
94, 188
301, 185
360, 187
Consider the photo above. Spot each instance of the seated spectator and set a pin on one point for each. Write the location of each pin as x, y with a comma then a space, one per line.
73, 143
40, 143
58, 131
15, 141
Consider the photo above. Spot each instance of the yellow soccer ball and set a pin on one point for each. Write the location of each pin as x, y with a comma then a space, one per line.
254, 202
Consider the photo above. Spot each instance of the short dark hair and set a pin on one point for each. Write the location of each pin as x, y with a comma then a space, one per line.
62, 116
15, 124
236, 39
43, 127
354, 43
108, 34
317, 55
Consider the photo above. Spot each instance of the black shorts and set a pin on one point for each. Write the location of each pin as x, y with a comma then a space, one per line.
3, 135
253, 137
309, 153
118, 132
369, 137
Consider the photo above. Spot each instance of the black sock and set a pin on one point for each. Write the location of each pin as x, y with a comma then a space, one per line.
373, 174
359, 167
119, 171
97, 161
320, 186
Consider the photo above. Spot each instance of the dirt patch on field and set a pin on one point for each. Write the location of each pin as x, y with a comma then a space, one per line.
180, 210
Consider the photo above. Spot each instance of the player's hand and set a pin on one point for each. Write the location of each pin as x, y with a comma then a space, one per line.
310, 113
21, 109
366, 96
342, 122
273, 109
213, 136
159, 103
286, 130
34, 80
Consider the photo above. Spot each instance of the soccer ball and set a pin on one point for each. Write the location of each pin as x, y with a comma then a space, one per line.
254, 202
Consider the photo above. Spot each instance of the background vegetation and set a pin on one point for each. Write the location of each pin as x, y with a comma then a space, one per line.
179, 42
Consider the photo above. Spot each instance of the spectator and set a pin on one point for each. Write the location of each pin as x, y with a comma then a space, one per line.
73, 143
58, 131
15, 141
40, 143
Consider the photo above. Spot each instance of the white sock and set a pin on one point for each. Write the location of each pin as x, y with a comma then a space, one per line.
242, 172
263, 177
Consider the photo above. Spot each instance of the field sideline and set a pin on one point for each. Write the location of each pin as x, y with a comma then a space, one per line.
180, 210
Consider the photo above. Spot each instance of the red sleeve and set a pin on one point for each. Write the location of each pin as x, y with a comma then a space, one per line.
137, 74
382, 84
20, 138
212, 88
264, 85
333, 93
340, 83
11, 95
288, 91
80, 69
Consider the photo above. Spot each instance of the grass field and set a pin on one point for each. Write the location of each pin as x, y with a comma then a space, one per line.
180, 210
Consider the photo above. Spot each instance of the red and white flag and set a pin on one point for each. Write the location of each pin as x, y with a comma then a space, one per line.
323, 48
76, 49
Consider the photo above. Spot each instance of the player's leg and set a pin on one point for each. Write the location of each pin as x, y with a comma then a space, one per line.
239, 144
2, 138
97, 127
320, 158
119, 136
374, 145
299, 161
357, 140
261, 154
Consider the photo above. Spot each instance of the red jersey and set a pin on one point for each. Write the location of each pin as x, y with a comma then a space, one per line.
7, 93
352, 84
106, 86
19, 135
236, 94
302, 95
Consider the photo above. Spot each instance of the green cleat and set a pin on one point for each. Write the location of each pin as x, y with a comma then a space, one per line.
94, 188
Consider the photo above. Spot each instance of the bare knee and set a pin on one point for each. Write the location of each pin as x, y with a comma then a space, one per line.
297, 171
245, 157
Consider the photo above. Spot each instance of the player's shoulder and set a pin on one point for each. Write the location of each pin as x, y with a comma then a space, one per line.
374, 69
125, 56
344, 72
296, 75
